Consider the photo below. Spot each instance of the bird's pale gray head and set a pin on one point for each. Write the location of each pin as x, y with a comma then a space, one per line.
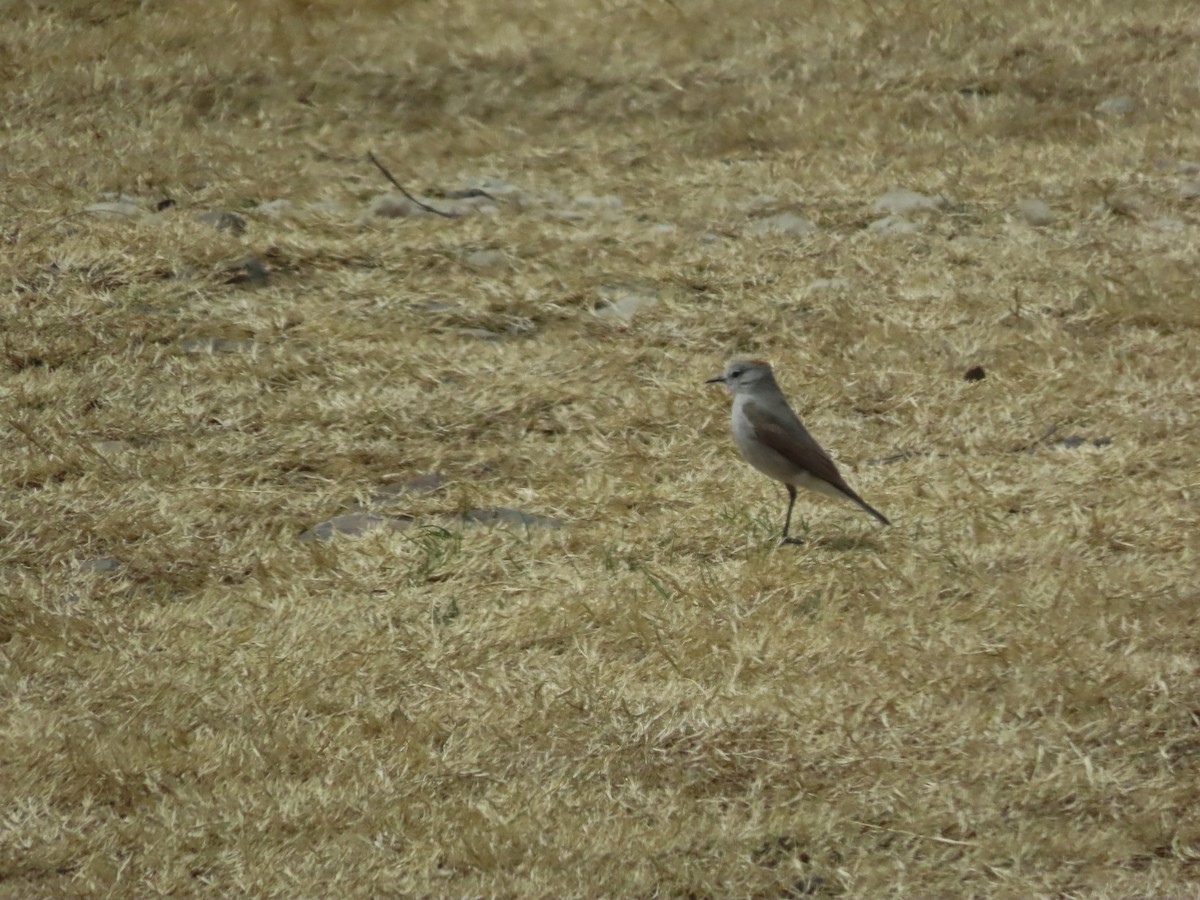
744, 375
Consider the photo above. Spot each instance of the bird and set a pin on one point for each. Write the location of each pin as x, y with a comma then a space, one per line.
773, 440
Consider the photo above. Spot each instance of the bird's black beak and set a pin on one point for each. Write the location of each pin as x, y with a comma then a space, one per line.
719, 379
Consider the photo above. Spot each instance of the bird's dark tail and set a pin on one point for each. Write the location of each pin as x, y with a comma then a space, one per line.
845, 489
873, 511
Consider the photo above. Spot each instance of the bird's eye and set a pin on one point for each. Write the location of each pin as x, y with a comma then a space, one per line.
736, 373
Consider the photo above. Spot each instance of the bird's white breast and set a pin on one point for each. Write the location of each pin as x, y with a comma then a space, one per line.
769, 462
761, 457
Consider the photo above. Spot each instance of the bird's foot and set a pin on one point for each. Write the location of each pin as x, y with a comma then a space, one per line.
791, 540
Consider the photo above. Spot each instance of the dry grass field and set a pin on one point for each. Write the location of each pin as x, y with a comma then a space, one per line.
639, 693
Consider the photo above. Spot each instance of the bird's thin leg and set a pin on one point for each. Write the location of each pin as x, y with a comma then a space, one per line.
787, 522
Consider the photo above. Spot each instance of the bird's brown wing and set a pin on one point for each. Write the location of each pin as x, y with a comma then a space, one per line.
791, 440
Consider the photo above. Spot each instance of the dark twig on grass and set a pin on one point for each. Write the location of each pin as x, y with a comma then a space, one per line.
33, 439
54, 223
400, 188
927, 837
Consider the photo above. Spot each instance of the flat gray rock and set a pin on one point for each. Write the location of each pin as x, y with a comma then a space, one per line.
606, 201
506, 515
354, 524
829, 284
484, 261
103, 564
902, 202
420, 484
247, 270
783, 223
1115, 106
1131, 203
893, 225
394, 206
216, 345
275, 209
621, 302
399, 491
223, 221
496, 187
125, 207
1036, 212
113, 447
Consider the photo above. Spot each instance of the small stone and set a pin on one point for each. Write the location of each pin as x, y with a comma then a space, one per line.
975, 373
1189, 168
783, 223
624, 301
274, 209
1075, 441
423, 484
1166, 223
484, 260
460, 203
663, 228
394, 206
111, 448
354, 524
246, 270
467, 194
829, 284
493, 187
223, 221
398, 491
591, 201
1115, 106
1189, 191
216, 345
893, 225
482, 334
900, 202
102, 564
124, 207
1126, 203
1035, 212
505, 515
709, 237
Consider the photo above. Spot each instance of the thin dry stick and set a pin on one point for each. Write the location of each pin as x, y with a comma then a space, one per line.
400, 188
926, 837
33, 439
54, 223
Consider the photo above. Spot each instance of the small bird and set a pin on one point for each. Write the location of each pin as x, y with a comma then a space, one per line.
773, 440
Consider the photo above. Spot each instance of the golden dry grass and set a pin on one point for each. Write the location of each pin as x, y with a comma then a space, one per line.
997, 697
